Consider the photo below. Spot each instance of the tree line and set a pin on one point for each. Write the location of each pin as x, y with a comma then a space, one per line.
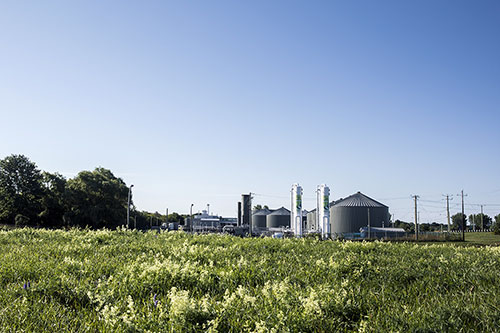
94, 199
474, 220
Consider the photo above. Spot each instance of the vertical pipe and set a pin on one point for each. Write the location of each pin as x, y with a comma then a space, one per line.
482, 222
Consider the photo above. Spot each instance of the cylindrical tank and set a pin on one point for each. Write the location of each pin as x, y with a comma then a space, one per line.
278, 218
350, 214
259, 218
246, 206
311, 220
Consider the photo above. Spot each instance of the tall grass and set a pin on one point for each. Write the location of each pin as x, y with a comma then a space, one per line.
83, 280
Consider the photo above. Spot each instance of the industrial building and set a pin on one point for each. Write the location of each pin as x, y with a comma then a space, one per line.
205, 222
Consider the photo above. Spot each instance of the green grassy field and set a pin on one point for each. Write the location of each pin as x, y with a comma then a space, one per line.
89, 281
482, 238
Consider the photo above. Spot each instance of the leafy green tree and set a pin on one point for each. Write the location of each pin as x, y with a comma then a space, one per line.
496, 226
175, 217
408, 227
424, 227
20, 189
96, 199
144, 220
476, 219
457, 221
53, 200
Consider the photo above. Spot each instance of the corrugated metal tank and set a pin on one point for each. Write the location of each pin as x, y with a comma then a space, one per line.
259, 218
278, 218
350, 214
311, 220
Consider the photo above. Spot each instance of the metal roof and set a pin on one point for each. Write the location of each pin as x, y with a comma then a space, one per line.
358, 200
281, 211
261, 212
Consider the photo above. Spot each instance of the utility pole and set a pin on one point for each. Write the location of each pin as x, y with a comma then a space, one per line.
463, 216
482, 223
448, 210
191, 221
415, 197
166, 218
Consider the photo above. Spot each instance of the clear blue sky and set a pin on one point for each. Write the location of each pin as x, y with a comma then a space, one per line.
200, 101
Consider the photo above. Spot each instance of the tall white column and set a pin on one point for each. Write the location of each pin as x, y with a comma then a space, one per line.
323, 210
296, 211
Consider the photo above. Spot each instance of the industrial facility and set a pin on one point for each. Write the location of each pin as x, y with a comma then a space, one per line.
207, 223
357, 216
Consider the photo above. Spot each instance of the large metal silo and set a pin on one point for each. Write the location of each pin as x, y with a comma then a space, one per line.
278, 218
350, 214
259, 218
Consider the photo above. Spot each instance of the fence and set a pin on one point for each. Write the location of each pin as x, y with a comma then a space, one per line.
400, 236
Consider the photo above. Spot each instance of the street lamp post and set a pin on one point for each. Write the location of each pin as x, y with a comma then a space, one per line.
128, 204
191, 221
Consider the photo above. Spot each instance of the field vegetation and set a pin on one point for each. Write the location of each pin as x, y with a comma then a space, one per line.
83, 280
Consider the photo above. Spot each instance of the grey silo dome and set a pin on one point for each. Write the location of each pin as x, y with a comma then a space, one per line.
259, 218
278, 218
350, 214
